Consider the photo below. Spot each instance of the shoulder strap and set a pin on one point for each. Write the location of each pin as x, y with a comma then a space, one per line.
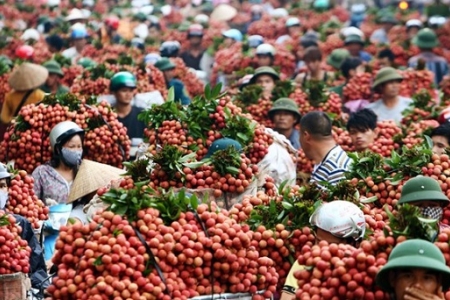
22, 102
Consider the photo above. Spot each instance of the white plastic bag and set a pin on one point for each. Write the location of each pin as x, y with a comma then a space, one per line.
278, 163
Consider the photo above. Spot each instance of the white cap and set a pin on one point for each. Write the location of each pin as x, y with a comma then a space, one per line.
166, 10
414, 23
140, 3
358, 8
30, 34
201, 19
340, 218
352, 31
78, 25
75, 14
141, 31
279, 13
292, 21
86, 13
437, 20
88, 2
53, 3
265, 49
147, 9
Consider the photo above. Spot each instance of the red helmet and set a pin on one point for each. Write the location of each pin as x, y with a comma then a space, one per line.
444, 116
25, 52
195, 30
112, 22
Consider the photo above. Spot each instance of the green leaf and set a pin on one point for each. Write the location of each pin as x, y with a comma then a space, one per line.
171, 95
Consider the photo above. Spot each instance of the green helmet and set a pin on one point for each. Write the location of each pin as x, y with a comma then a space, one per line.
222, 144
414, 254
337, 57
264, 71
86, 62
121, 80
422, 188
426, 39
285, 104
385, 75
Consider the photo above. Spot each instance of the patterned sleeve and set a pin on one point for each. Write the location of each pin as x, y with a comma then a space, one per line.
291, 284
37, 183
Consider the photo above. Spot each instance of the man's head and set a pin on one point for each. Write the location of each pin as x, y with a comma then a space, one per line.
412, 27
55, 73
195, 34
265, 54
284, 114
388, 21
337, 57
313, 58
55, 43
232, 36
315, 129
166, 66
338, 222
79, 37
354, 44
122, 85
265, 77
293, 26
362, 127
352, 66
441, 138
416, 268
306, 41
387, 82
426, 39
386, 58
425, 193
154, 31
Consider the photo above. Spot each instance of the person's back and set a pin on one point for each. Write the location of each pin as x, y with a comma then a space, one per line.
318, 144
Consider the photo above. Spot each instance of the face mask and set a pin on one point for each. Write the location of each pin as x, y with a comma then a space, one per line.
71, 158
3, 199
434, 213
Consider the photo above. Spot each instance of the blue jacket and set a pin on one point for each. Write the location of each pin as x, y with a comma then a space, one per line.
180, 91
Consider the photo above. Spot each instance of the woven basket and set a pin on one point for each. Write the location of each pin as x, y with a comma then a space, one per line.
13, 287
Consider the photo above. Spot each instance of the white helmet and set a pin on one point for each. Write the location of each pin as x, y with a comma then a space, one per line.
279, 13
265, 49
342, 219
436, 21
30, 34
62, 131
201, 19
292, 21
141, 31
4, 171
414, 23
346, 31
358, 8
53, 3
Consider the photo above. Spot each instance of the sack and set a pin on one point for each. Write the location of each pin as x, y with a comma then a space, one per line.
278, 163
14, 286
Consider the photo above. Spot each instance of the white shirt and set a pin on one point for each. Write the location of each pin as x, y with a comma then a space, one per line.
385, 113
71, 53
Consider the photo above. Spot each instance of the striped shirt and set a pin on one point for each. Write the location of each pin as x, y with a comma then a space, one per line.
435, 63
332, 167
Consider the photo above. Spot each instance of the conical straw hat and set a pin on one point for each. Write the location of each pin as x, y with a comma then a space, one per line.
223, 12
90, 177
28, 76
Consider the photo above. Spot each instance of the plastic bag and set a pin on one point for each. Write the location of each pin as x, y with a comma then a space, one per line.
278, 163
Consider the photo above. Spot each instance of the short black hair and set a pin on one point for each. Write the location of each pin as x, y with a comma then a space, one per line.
307, 41
442, 130
312, 54
55, 41
387, 53
350, 63
156, 25
317, 124
362, 120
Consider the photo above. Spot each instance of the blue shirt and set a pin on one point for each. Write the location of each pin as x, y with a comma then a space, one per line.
180, 92
364, 56
435, 63
295, 139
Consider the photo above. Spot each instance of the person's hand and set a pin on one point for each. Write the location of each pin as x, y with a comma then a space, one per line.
50, 202
412, 293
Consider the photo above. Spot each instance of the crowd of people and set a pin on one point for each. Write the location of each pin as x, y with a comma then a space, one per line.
416, 269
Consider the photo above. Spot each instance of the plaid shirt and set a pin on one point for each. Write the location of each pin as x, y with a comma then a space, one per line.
435, 63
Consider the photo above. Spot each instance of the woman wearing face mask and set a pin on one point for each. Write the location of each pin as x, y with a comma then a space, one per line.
54, 179
425, 193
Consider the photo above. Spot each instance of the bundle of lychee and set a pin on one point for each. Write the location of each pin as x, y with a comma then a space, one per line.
14, 251
22, 200
359, 87
166, 246
333, 41
229, 60
93, 81
416, 131
251, 100
266, 27
314, 96
337, 271
27, 139
418, 79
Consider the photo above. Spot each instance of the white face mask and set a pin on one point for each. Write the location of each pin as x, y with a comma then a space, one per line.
434, 213
3, 199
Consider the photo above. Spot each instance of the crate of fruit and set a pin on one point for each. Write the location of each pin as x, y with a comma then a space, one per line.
13, 286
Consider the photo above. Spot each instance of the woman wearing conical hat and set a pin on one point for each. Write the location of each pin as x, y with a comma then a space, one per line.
25, 82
